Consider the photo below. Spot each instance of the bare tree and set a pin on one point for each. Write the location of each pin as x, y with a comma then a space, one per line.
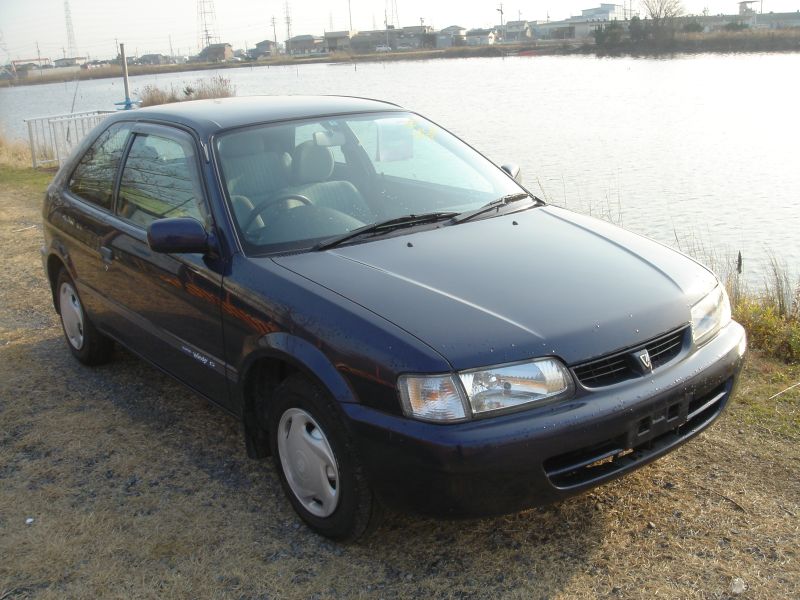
662, 10
661, 14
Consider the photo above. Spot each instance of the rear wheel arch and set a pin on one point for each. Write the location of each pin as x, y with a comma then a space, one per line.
54, 266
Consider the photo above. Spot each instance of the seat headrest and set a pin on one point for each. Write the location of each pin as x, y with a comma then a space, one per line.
246, 143
312, 163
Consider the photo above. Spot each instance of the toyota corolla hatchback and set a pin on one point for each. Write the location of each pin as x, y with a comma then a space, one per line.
392, 317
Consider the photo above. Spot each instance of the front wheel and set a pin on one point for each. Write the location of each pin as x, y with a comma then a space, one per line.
84, 341
317, 463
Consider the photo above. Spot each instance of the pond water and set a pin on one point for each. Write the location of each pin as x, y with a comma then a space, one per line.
698, 151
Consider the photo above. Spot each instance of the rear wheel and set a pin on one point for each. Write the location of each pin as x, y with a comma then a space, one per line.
84, 341
317, 463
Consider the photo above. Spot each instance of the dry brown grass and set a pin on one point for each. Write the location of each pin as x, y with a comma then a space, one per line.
14, 153
138, 489
213, 87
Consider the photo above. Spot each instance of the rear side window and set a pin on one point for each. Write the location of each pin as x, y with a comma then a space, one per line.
93, 178
159, 180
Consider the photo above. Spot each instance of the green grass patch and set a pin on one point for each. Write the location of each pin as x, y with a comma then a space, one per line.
769, 396
28, 178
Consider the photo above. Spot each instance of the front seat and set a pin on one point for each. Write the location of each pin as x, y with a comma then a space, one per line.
312, 167
252, 174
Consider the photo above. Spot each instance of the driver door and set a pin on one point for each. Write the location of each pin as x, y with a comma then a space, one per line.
167, 305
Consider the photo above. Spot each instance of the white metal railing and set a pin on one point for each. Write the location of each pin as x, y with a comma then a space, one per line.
53, 138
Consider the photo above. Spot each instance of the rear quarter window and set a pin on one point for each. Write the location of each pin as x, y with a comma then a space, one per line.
93, 178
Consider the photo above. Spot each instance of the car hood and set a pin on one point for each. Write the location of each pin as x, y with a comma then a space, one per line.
543, 281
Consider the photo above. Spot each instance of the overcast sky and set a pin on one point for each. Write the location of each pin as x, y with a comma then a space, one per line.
147, 25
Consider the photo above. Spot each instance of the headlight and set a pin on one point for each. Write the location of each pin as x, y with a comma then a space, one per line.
506, 387
449, 398
710, 315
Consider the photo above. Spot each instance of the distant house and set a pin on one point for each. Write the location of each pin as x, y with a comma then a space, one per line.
304, 44
154, 59
367, 41
69, 62
416, 36
517, 31
337, 41
454, 35
264, 49
216, 53
481, 37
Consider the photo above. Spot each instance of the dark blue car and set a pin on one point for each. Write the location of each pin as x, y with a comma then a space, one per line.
396, 320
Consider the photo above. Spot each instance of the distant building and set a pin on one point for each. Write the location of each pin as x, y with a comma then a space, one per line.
455, 35
304, 44
69, 62
605, 12
337, 41
264, 49
517, 31
216, 53
415, 37
582, 26
481, 37
367, 41
154, 59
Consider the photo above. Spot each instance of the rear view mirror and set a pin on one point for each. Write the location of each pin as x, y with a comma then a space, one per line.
327, 139
177, 236
395, 140
514, 171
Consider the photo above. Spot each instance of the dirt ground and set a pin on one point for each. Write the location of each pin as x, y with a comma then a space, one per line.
116, 482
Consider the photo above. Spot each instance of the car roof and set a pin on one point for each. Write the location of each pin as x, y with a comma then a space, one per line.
207, 117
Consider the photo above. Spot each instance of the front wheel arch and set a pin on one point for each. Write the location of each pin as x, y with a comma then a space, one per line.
280, 355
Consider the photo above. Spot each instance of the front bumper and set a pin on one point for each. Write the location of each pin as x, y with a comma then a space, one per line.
508, 463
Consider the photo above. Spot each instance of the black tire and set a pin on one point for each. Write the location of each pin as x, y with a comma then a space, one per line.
87, 344
357, 510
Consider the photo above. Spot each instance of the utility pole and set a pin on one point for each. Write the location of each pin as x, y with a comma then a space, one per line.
350, 12
500, 10
39, 58
127, 104
171, 53
274, 36
288, 28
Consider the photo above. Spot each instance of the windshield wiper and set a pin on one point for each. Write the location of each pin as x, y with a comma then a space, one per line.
384, 226
494, 204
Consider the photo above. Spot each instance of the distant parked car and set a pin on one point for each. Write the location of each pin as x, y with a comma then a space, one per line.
394, 318
383, 48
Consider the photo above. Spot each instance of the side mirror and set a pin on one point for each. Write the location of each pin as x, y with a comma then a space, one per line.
513, 170
177, 235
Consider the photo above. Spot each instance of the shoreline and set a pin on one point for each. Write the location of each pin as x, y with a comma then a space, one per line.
728, 43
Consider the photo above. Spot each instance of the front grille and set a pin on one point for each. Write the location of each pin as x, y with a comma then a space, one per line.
621, 366
600, 461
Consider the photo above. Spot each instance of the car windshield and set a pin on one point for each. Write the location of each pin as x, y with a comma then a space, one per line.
299, 184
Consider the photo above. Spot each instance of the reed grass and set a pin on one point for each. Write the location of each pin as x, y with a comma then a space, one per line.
770, 312
14, 153
212, 87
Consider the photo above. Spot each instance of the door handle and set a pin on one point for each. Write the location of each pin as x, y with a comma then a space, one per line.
107, 254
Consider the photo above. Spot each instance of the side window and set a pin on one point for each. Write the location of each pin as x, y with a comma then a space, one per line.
93, 178
159, 180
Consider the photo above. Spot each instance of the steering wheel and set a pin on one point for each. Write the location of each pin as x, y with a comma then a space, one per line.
265, 204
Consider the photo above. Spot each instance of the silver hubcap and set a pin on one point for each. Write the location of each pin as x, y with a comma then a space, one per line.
71, 315
308, 462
